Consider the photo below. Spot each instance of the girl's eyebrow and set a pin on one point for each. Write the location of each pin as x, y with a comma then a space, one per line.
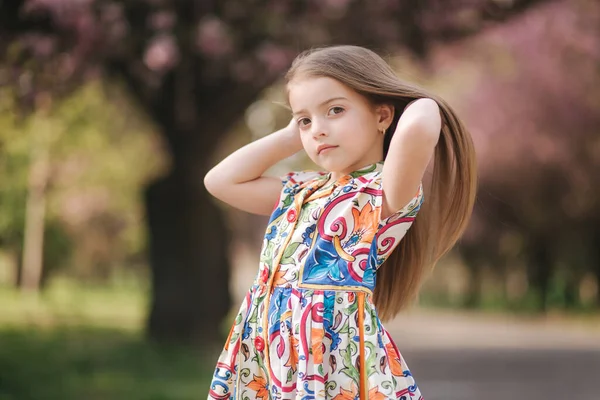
322, 104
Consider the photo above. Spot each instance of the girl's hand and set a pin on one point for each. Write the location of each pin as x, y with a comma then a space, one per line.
293, 133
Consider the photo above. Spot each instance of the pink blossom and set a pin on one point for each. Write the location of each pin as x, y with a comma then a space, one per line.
162, 53
213, 38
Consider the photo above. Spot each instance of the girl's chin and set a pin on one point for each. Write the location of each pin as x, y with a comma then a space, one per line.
329, 163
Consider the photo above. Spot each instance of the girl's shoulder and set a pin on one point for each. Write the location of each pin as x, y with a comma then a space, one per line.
368, 188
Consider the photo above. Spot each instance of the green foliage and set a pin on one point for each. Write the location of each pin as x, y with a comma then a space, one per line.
100, 156
14, 161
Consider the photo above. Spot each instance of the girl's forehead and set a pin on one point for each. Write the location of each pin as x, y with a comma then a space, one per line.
310, 92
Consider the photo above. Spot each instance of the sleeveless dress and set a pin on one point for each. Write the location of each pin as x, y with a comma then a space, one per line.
308, 328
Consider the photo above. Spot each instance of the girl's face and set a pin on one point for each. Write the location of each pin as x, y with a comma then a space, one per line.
340, 129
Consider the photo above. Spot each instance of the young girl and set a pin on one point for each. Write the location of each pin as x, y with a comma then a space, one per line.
333, 265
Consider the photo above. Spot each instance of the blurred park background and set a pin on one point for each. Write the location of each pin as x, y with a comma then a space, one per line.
119, 275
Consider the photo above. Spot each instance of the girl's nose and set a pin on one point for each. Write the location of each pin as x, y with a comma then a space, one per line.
318, 129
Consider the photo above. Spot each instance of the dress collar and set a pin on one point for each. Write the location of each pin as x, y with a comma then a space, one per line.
319, 183
378, 166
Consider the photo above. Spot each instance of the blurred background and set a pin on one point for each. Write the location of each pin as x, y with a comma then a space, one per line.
120, 275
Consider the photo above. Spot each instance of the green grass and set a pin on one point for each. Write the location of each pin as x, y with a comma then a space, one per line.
529, 304
76, 342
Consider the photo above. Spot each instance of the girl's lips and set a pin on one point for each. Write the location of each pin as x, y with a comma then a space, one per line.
325, 149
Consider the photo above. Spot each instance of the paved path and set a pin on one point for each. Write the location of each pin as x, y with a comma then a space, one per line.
470, 357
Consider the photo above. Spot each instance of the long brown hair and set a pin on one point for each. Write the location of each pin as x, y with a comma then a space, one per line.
446, 211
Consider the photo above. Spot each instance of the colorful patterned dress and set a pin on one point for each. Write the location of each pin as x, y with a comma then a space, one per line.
308, 328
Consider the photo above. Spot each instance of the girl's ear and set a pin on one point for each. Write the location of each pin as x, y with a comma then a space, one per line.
385, 115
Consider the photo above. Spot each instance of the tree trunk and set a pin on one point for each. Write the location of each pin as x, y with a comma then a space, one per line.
35, 216
595, 261
188, 257
188, 238
540, 270
571, 289
472, 261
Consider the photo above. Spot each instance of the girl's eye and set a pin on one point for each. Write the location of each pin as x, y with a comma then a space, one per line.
303, 121
336, 110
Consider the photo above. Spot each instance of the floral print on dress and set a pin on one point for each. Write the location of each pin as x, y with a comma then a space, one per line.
297, 333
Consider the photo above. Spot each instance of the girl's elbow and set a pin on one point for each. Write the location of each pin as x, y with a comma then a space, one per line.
211, 183
428, 123
422, 132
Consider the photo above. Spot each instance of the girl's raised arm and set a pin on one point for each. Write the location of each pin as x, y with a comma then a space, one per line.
410, 151
238, 180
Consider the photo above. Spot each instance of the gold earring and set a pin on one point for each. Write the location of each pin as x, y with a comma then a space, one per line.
382, 131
